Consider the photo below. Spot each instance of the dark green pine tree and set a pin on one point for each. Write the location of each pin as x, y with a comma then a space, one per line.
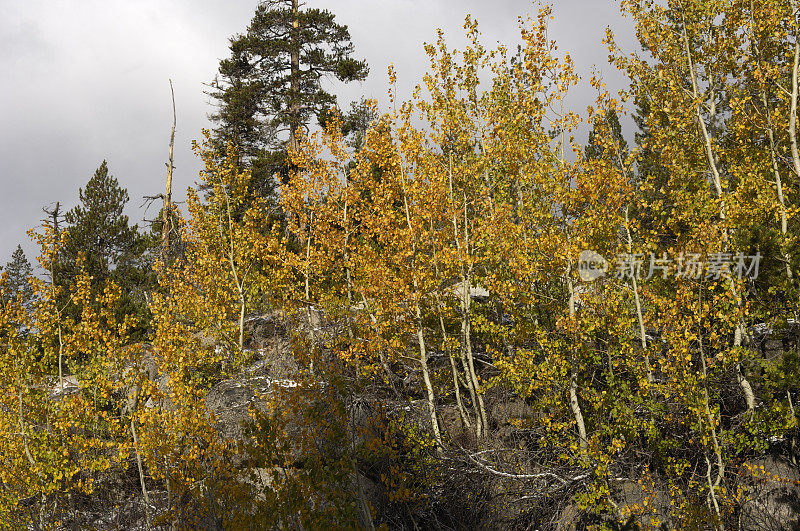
270, 86
111, 249
652, 179
647, 161
18, 272
357, 122
608, 124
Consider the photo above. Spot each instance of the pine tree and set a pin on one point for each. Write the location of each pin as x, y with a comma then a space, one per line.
355, 123
100, 237
608, 124
271, 84
651, 177
19, 272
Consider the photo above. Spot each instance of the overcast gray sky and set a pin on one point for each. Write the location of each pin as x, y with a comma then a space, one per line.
87, 80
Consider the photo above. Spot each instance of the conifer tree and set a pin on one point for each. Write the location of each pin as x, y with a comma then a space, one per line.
608, 123
271, 84
19, 272
99, 231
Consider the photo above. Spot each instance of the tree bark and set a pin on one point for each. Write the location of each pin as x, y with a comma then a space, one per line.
482, 422
238, 281
793, 111
466, 332
712, 486
135, 436
709, 149
635, 286
779, 185
576, 410
459, 403
307, 274
573, 379
423, 360
423, 355
747, 389
294, 82
166, 218
390, 376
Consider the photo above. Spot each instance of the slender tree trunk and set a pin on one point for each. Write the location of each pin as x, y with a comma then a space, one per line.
712, 485
466, 332
294, 88
22, 433
423, 360
238, 281
634, 284
54, 213
779, 185
166, 218
169, 491
459, 403
423, 355
573, 379
793, 111
135, 436
307, 274
26, 449
241, 320
793, 435
456, 386
390, 376
709, 149
346, 254
747, 389
576, 410
242, 300
482, 423
639, 315
470, 387
773, 149
60, 355
446, 340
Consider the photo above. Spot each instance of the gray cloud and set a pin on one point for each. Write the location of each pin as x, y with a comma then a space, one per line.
88, 81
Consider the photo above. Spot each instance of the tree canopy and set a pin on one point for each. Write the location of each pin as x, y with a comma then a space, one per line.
269, 89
